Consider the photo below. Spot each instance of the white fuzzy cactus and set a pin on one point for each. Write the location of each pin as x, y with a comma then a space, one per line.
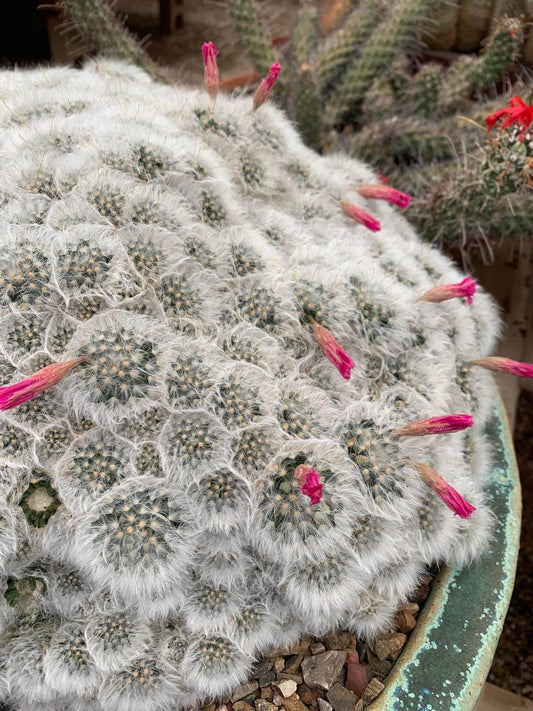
154, 537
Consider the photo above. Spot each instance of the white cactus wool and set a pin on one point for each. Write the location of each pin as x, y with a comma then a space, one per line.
154, 539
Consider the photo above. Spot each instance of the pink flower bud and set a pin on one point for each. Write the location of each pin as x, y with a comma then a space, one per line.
464, 289
266, 86
447, 493
359, 215
435, 425
309, 482
384, 192
505, 365
14, 395
332, 350
210, 69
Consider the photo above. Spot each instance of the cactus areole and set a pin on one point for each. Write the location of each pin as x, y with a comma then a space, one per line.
205, 370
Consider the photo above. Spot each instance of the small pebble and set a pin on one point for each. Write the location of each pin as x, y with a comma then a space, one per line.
292, 663
339, 640
317, 648
242, 706
374, 688
324, 705
267, 693
286, 688
294, 704
322, 670
264, 705
245, 690
341, 698
411, 607
277, 699
360, 705
390, 646
279, 663
405, 622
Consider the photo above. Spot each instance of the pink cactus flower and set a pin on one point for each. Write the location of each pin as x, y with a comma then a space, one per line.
385, 192
505, 365
266, 86
14, 395
309, 482
210, 69
332, 350
359, 215
435, 425
447, 493
464, 289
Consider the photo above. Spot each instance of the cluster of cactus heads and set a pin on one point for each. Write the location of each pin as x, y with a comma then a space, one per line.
231, 414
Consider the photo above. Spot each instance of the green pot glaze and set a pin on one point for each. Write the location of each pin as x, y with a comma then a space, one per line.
449, 654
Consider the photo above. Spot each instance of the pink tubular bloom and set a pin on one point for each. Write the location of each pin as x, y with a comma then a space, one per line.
359, 215
464, 289
309, 482
210, 69
332, 350
447, 493
385, 192
435, 425
266, 86
505, 365
14, 395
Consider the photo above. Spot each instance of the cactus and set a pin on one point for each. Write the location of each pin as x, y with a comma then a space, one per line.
189, 271
96, 23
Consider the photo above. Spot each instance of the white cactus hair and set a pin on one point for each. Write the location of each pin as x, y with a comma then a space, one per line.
154, 537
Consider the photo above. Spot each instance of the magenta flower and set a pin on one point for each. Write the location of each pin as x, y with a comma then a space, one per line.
385, 192
332, 350
505, 365
14, 395
464, 289
309, 482
266, 86
210, 69
359, 215
447, 493
435, 425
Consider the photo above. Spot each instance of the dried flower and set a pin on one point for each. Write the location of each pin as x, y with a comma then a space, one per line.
359, 215
385, 192
14, 395
210, 69
517, 112
309, 482
435, 425
332, 350
464, 289
505, 365
447, 493
266, 86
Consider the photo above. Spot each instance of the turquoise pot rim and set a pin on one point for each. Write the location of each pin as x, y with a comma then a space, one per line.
449, 654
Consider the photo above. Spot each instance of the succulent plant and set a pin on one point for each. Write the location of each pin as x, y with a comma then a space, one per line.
185, 478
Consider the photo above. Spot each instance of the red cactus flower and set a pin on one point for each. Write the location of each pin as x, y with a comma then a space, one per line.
210, 52
435, 425
517, 113
464, 289
447, 493
266, 86
332, 350
385, 192
14, 395
309, 482
505, 365
359, 215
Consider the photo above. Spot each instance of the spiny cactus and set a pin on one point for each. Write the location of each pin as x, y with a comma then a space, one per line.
330, 78
186, 480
